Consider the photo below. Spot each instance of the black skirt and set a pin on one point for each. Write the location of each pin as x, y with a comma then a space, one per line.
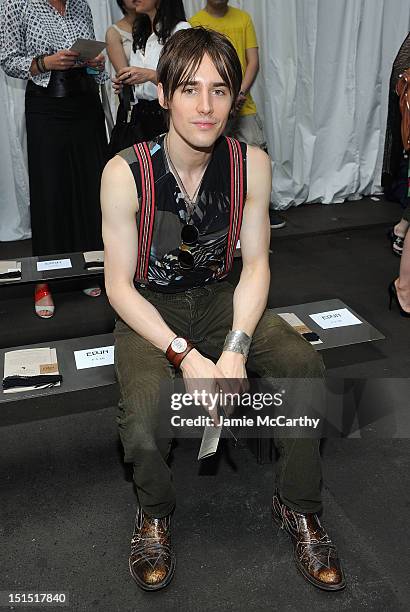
67, 151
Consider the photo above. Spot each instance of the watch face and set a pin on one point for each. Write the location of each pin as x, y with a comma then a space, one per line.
179, 345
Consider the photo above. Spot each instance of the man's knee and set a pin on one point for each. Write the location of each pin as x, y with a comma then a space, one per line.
278, 350
303, 361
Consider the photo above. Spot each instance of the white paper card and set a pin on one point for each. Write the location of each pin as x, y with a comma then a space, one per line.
210, 441
335, 318
94, 357
87, 48
53, 264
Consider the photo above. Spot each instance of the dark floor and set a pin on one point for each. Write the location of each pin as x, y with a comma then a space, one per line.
68, 503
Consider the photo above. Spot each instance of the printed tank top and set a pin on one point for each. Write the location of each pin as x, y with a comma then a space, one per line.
163, 213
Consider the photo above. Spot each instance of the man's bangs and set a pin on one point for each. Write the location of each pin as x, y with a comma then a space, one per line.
188, 74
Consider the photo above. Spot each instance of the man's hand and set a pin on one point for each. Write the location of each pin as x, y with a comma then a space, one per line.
203, 376
232, 366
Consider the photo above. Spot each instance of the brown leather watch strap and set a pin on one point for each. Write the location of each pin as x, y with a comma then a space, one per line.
176, 358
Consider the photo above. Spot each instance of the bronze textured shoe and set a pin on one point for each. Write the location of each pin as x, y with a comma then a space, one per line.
152, 561
315, 554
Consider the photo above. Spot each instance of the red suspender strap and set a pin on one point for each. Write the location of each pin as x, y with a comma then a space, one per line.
147, 210
237, 199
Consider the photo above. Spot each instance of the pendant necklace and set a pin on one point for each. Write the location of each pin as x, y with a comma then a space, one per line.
189, 202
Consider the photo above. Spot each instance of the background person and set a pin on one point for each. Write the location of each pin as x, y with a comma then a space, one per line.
156, 21
399, 290
119, 36
396, 163
237, 25
66, 138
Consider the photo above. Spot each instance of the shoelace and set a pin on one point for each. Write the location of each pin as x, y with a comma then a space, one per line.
306, 547
149, 549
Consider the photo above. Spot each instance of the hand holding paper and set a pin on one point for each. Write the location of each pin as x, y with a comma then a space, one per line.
88, 49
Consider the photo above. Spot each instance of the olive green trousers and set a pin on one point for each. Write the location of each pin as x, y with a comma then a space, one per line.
204, 315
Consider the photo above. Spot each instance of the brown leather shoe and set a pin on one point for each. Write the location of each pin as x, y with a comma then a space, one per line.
315, 554
152, 561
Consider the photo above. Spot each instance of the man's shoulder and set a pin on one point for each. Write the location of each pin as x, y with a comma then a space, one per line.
128, 155
131, 154
259, 169
257, 157
222, 148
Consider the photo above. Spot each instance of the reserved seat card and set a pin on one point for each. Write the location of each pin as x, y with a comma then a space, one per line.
94, 357
53, 264
335, 318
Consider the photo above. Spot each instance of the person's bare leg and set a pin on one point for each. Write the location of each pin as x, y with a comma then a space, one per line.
403, 282
400, 229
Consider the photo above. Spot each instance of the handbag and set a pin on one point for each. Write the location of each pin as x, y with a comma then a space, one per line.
126, 131
403, 91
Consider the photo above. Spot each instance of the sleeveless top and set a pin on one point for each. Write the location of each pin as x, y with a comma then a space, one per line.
162, 214
126, 40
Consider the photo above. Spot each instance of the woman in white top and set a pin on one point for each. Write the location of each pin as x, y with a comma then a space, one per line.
119, 36
155, 22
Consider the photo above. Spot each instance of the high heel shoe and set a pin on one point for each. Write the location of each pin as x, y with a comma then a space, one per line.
393, 296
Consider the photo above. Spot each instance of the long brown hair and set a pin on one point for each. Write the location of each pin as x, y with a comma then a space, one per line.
183, 52
169, 14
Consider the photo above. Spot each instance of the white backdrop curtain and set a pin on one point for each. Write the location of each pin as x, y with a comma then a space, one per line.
322, 94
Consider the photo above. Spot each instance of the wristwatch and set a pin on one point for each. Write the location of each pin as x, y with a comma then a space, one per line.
178, 350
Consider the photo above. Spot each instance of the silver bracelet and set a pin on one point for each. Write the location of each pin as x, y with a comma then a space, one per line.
237, 341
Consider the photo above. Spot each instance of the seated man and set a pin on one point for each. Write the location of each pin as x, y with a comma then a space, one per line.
172, 213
